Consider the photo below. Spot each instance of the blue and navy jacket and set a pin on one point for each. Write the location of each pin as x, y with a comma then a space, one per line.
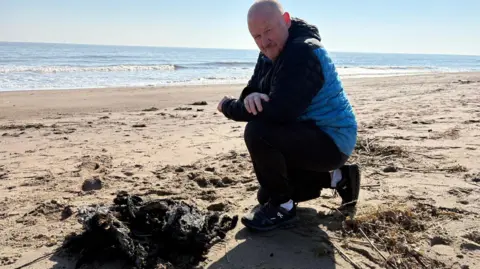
303, 85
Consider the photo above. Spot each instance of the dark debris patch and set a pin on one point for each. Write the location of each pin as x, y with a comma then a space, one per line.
152, 109
159, 233
22, 126
199, 103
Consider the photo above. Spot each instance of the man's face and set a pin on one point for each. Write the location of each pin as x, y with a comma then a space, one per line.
270, 32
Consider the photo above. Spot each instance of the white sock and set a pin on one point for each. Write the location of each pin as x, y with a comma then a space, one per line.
336, 176
288, 205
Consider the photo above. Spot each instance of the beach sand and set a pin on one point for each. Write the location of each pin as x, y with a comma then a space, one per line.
419, 149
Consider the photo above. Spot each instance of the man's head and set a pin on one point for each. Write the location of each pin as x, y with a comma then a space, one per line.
268, 24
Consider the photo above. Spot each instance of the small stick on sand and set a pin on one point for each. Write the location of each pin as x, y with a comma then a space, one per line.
38, 259
370, 242
350, 240
374, 247
470, 242
346, 257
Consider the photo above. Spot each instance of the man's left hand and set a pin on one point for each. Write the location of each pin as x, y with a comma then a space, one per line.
226, 98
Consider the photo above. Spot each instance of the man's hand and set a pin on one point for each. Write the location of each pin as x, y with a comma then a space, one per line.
220, 104
253, 102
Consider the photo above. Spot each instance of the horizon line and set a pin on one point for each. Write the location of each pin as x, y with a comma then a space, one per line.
214, 48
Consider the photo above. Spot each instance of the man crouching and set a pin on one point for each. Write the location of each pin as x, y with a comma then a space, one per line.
301, 127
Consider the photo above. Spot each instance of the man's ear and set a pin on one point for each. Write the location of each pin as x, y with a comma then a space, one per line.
287, 19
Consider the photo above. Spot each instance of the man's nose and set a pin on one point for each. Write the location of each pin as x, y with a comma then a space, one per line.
265, 41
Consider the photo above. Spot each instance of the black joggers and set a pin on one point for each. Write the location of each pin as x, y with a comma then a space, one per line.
292, 158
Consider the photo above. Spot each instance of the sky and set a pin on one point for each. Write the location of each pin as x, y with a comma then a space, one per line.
401, 26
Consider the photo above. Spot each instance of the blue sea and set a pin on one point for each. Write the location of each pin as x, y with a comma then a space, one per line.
27, 66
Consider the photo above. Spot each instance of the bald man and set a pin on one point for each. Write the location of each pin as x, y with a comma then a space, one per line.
301, 127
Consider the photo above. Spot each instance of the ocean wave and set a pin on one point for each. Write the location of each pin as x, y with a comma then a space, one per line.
217, 64
232, 63
387, 67
73, 69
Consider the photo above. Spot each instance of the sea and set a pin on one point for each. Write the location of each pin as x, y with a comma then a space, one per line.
40, 66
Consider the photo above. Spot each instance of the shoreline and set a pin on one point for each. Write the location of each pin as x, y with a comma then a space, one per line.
228, 83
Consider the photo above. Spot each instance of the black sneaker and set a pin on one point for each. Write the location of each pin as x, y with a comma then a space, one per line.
349, 187
269, 217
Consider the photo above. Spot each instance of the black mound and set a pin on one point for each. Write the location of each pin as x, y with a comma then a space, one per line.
156, 234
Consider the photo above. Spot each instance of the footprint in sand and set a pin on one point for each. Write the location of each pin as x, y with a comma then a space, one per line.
96, 164
92, 169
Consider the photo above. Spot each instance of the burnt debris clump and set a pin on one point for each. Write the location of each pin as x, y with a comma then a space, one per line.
160, 233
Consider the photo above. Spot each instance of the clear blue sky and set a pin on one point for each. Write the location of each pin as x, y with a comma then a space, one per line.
402, 26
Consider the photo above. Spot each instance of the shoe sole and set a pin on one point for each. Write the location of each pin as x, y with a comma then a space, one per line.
284, 225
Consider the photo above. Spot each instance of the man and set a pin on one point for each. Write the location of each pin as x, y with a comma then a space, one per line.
301, 127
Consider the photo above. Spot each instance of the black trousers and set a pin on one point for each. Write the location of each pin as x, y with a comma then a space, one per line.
289, 159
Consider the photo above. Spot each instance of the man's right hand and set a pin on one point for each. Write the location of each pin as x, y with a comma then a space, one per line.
253, 102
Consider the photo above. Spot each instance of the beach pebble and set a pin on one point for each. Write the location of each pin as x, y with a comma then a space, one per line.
67, 212
92, 184
390, 169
